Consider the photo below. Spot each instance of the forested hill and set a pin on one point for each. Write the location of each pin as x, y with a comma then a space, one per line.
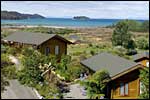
81, 17
15, 15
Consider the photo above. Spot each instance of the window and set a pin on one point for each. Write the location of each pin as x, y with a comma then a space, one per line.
123, 89
147, 64
56, 50
141, 87
126, 89
47, 51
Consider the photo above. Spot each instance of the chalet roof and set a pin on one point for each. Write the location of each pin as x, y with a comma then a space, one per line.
31, 38
141, 55
113, 64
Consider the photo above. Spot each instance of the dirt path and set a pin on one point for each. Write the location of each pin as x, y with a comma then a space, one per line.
15, 61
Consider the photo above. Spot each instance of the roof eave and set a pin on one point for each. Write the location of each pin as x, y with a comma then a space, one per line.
19, 42
127, 71
87, 66
62, 38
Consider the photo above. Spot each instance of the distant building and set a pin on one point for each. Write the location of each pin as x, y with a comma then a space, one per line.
75, 39
45, 43
125, 82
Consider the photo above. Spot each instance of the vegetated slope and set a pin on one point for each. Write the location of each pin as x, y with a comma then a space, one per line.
81, 17
13, 15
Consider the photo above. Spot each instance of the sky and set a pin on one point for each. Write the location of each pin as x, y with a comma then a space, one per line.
92, 9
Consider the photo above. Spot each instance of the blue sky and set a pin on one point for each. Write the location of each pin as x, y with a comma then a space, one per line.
92, 9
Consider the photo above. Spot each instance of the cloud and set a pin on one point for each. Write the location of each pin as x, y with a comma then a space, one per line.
93, 9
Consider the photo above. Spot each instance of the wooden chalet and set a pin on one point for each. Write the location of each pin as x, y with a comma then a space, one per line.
45, 43
125, 82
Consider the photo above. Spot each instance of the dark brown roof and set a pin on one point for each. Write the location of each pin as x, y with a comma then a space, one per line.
112, 63
141, 55
32, 38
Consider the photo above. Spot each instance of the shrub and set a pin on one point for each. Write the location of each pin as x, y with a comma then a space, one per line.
120, 49
49, 91
31, 73
83, 57
75, 71
92, 52
11, 72
144, 78
96, 84
90, 45
142, 43
77, 53
12, 51
131, 52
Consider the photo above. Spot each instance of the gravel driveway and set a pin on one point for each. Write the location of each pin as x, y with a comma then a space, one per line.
15, 90
75, 92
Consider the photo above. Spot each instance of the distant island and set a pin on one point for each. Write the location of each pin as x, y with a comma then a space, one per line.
13, 15
81, 17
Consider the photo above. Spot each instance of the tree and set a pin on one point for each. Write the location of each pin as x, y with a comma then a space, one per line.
134, 25
96, 84
145, 26
65, 60
31, 73
130, 44
144, 77
121, 35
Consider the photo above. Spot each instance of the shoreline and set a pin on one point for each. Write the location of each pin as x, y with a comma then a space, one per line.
46, 26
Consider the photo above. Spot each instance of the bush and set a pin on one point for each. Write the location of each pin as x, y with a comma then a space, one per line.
12, 51
90, 45
70, 69
120, 49
131, 52
92, 52
31, 73
27, 51
96, 84
77, 53
142, 43
144, 78
75, 71
83, 57
49, 91
11, 72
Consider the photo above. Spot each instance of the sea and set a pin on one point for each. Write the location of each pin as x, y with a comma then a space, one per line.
64, 22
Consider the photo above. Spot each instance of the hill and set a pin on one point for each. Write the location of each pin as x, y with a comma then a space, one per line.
81, 17
13, 15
